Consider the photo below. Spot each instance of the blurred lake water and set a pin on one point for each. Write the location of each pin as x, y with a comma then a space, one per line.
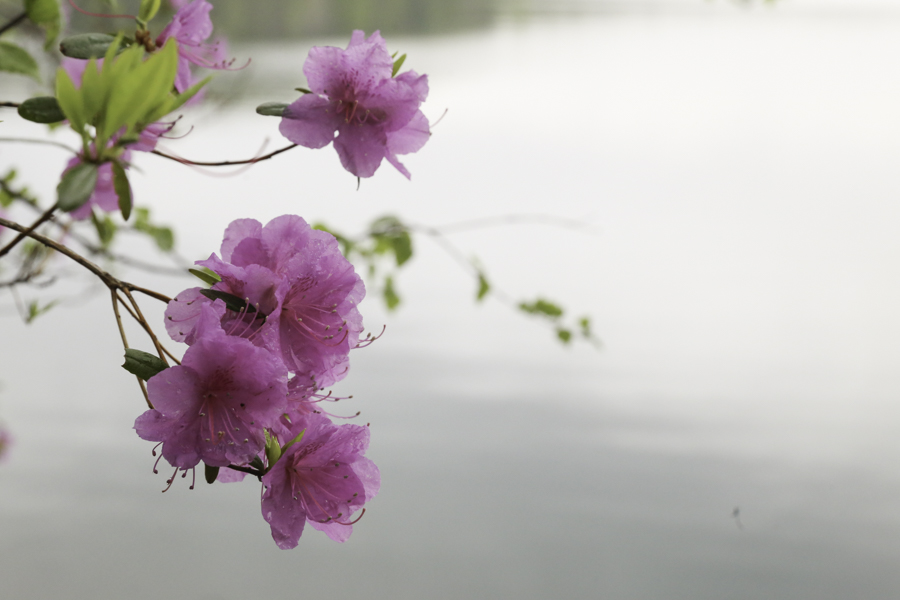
737, 435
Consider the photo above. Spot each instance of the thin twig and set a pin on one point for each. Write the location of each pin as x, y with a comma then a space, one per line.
115, 303
44, 142
143, 321
146, 326
539, 219
10, 104
226, 163
15, 21
104, 276
47, 214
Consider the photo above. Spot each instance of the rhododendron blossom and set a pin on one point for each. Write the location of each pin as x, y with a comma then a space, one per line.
302, 291
322, 479
214, 406
191, 27
375, 115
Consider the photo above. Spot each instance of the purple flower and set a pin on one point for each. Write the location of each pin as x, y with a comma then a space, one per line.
295, 277
375, 116
191, 26
214, 406
324, 478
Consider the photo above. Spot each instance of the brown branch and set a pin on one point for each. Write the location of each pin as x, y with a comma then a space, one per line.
105, 276
226, 163
15, 21
47, 214
9, 104
115, 304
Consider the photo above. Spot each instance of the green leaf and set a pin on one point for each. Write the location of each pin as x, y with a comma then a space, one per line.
46, 14
483, 287
163, 236
14, 59
143, 364
140, 88
106, 229
210, 473
273, 450
397, 64
205, 275
293, 441
391, 299
542, 307
76, 186
87, 45
585, 324
271, 109
44, 109
180, 99
70, 101
402, 246
564, 335
35, 310
122, 188
231, 301
148, 10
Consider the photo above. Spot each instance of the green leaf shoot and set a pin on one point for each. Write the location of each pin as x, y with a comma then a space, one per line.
122, 188
143, 364
483, 287
391, 299
45, 14
271, 109
205, 275
397, 64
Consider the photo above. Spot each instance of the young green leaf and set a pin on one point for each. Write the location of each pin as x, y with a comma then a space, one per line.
391, 299
148, 10
14, 59
44, 109
397, 64
122, 188
205, 275
76, 186
541, 307
273, 450
35, 310
483, 287
402, 246
143, 364
271, 109
293, 441
45, 13
564, 335
106, 229
70, 101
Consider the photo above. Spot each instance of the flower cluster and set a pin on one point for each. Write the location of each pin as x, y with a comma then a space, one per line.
355, 95
263, 342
